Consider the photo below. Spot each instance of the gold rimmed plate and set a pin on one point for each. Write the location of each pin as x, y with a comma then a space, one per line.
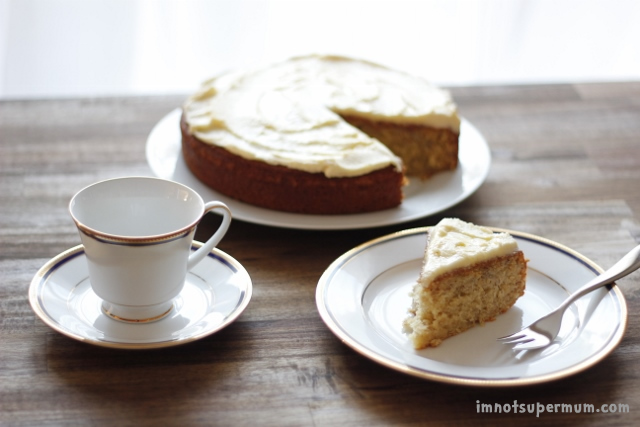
216, 292
363, 297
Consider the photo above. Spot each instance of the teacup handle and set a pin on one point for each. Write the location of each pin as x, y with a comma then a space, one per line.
199, 255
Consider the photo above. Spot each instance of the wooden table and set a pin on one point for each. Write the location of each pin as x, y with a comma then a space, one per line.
566, 166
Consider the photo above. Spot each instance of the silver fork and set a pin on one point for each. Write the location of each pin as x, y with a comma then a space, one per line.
544, 330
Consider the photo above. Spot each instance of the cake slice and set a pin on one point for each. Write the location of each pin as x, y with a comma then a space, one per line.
469, 275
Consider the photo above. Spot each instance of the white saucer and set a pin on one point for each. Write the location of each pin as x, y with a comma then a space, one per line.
363, 297
422, 198
216, 292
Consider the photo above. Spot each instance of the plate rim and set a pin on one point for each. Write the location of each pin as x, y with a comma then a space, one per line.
52, 264
343, 335
319, 222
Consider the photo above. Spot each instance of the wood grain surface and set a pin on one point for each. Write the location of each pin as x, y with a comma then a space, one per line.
566, 166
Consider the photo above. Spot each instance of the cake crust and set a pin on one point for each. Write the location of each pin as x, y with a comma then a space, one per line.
285, 189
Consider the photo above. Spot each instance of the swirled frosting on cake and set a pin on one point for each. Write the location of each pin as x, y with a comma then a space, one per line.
288, 114
454, 244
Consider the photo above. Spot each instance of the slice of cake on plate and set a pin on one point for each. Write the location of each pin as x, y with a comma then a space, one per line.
469, 276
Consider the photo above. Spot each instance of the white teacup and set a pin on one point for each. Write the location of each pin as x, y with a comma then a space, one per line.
137, 234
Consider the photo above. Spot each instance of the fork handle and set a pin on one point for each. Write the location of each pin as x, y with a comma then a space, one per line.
628, 264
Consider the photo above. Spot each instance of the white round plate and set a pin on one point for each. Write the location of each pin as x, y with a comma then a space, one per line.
216, 292
363, 297
422, 198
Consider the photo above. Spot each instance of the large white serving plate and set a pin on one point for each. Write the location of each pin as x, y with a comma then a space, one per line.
422, 198
363, 297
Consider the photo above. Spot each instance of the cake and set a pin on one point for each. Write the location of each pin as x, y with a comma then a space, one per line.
469, 276
318, 134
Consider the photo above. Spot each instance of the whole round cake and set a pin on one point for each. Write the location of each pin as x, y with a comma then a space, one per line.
318, 134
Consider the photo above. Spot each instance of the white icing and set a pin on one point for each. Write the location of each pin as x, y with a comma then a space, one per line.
454, 243
289, 113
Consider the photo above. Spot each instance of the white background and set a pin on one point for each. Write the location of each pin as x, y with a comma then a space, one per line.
120, 47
